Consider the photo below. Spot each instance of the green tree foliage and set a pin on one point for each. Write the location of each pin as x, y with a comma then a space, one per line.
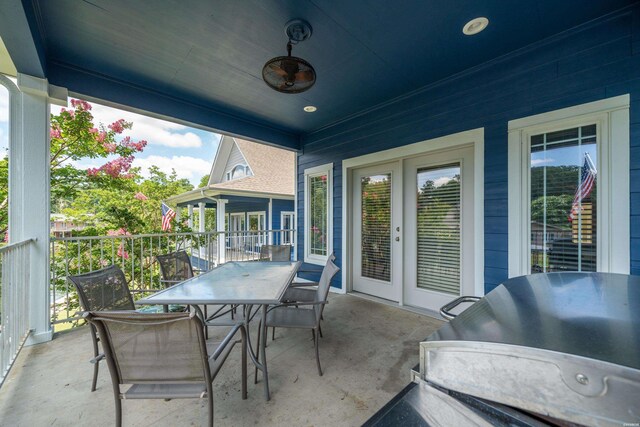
558, 208
204, 181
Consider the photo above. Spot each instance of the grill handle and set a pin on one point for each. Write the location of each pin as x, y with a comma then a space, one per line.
445, 311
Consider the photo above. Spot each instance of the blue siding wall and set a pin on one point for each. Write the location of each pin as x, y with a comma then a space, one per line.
245, 204
598, 60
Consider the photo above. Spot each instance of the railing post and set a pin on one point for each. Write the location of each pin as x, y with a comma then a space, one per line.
220, 220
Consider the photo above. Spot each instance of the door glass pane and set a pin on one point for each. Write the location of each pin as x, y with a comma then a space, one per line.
376, 227
318, 218
563, 200
438, 227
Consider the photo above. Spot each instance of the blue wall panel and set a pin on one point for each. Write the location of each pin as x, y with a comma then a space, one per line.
594, 62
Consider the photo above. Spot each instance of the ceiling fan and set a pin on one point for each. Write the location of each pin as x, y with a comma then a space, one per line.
290, 74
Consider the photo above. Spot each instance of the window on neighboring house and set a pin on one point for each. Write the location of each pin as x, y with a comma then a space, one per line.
317, 214
569, 190
287, 224
239, 171
256, 226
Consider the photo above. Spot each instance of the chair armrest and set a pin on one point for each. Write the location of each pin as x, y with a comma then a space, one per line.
297, 304
302, 284
309, 271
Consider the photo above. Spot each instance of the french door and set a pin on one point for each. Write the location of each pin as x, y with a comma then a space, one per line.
377, 195
413, 228
438, 217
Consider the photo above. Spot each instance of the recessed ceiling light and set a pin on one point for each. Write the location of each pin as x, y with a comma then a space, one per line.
475, 26
310, 109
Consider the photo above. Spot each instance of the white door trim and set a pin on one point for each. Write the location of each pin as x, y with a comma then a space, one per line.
473, 137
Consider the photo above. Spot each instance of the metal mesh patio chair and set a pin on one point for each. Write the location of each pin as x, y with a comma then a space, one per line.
175, 268
102, 290
304, 315
275, 253
163, 356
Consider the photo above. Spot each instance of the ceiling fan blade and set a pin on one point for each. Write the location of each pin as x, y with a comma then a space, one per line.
279, 71
304, 76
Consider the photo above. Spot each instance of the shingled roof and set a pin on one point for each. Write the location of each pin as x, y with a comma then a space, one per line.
273, 170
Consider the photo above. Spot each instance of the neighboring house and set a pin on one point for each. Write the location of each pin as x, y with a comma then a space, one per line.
63, 226
252, 188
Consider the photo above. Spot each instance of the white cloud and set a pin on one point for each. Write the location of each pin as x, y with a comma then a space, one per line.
442, 181
188, 167
154, 131
537, 162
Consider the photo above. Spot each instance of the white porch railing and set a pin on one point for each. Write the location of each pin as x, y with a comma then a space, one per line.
135, 255
14, 319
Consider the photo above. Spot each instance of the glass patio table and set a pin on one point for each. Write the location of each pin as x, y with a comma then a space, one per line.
250, 283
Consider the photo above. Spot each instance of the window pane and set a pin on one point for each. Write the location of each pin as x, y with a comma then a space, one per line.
563, 200
318, 215
439, 229
376, 227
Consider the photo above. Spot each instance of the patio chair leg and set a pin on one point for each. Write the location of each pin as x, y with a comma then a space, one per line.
210, 407
317, 342
206, 328
255, 373
320, 331
94, 339
244, 362
118, 412
273, 333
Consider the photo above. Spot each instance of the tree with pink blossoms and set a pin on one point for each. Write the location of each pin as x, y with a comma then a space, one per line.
74, 136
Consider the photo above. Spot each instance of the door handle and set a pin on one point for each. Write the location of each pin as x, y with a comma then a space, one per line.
397, 239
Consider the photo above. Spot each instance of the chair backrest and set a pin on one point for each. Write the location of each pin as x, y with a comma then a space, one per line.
329, 270
153, 348
275, 253
175, 267
104, 289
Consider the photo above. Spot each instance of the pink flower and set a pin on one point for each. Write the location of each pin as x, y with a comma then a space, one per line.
111, 148
117, 168
93, 130
323, 178
140, 196
101, 136
122, 252
55, 133
81, 105
117, 126
119, 232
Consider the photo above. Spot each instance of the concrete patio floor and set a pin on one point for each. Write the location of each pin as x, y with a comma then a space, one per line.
367, 352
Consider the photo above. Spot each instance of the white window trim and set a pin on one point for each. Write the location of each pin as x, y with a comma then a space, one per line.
259, 213
326, 169
292, 234
613, 235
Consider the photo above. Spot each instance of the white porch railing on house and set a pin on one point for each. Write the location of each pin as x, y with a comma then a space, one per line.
14, 318
135, 255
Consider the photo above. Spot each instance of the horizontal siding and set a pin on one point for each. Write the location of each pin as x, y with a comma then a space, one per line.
596, 62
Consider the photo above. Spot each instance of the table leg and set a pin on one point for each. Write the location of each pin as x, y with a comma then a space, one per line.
263, 354
260, 351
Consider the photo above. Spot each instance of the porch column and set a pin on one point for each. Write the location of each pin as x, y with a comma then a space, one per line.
29, 191
190, 223
201, 207
221, 213
178, 210
270, 224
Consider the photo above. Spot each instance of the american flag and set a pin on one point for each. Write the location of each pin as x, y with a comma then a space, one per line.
167, 215
587, 179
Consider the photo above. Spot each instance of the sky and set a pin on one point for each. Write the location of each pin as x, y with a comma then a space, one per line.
188, 150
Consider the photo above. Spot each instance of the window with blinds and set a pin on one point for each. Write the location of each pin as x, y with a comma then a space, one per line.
563, 200
318, 223
375, 192
438, 228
